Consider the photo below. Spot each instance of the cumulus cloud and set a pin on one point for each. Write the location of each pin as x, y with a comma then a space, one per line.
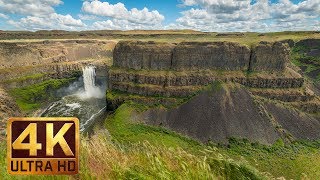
39, 14
219, 6
119, 13
241, 15
86, 17
51, 21
3, 16
29, 7
122, 25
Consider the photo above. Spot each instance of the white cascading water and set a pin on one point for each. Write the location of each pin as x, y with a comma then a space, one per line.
87, 104
89, 77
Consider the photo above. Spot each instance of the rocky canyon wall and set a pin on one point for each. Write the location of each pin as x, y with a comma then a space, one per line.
266, 56
25, 63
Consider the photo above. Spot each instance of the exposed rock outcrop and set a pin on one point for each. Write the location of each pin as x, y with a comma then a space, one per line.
268, 56
168, 83
213, 55
143, 55
290, 42
201, 55
26, 63
310, 43
32, 54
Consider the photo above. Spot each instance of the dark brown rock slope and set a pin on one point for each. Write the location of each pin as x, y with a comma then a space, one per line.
233, 112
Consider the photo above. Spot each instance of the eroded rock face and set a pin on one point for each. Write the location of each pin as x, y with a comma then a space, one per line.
200, 79
26, 63
290, 42
143, 55
310, 43
201, 55
213, 55
270, 56
32, 54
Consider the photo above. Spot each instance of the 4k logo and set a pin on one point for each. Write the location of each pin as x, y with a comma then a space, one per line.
45, 146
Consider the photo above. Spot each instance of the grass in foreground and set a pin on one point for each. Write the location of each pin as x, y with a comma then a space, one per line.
101, 158
143, 152
131, 150
297, 160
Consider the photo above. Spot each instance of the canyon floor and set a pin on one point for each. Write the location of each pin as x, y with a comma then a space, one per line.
160, 122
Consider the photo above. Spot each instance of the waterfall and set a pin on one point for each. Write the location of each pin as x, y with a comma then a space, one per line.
89, 77
90, 89
86, 100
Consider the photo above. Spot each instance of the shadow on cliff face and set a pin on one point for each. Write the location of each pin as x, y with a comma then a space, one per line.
233, 112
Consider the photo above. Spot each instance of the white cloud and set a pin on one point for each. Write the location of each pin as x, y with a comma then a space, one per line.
29, 7
219, 6
120, 12
86, 17
3, 16
240, 15
39, 14
121, 24
51, 21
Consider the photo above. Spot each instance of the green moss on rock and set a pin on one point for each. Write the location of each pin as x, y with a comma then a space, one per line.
31, 97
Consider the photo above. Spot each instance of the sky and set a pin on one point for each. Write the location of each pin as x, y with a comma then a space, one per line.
202, 15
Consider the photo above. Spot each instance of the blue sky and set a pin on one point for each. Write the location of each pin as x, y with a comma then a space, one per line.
203, 15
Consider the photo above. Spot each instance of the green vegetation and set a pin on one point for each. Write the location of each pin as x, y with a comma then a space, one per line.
24, 78
138, 151
31, 97
127, 132
310, 65
249, 38
297, 160
150, 101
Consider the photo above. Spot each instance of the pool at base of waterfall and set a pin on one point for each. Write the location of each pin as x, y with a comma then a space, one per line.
87, 103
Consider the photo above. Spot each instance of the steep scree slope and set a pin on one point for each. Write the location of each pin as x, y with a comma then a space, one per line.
234, 112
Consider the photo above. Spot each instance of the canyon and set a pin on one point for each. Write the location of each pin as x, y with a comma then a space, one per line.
212, 91
239, 90
178, 103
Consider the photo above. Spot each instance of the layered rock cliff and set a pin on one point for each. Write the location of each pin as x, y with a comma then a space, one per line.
201, 55
26, 63
213, 55
269, 100
47, 52
269, 56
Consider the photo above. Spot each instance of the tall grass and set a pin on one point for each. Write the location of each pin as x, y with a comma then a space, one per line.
146, 161
100, 158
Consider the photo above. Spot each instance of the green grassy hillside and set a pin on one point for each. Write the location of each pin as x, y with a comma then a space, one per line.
131, 150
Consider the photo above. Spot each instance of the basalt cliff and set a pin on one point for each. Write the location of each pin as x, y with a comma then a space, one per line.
212, 91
